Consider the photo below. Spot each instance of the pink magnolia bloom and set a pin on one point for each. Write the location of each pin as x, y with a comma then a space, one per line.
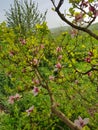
51, 78
90, 53
96, 13
42, 46
12, 53
79, 17
35, 61
59, 49
36, 81
96, 5
23, 41
88, 59
17, 96
59, 57
30, 110
73, 33
35, 91
89, 74
11, 99
84, 3
58, 65
81, 122
92, 9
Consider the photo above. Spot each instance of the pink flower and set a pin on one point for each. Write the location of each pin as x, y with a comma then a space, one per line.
59, 49
35, 91
84, 3
96, 5
81, 122
35, 61
58, 65
79, 17
73, 33
23, 41
11, 99
90, 53
88, 59
17, 96
51, 78
36, 81
96, 13
30, 110
92, 9
12, 53
89, 74
42, 46
59, 57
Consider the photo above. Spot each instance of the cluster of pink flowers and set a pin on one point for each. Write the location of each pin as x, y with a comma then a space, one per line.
81, 122
30, 110
12, 99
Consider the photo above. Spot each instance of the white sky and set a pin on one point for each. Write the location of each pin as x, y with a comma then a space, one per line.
52, 18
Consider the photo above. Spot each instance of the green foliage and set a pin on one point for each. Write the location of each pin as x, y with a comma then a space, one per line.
74, 85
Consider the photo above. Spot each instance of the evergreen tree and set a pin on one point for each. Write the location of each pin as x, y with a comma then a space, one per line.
24, 15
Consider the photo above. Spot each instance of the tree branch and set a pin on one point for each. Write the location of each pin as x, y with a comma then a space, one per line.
84, 29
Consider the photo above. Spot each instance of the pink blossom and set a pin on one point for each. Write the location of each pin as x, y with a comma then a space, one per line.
90, 53
59, 49
84, 3
92, 9
96, 5
89, 74
51, 78
11, 99
88, 59
23, 41
30, 110
12, 53
35, 61
96, 14
36, 81
79, 17
17, 96
73, 33
81, 122
42, 46
35, 91
58, 65
59, 57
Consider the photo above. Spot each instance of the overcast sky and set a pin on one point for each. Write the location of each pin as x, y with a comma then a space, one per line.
52, 18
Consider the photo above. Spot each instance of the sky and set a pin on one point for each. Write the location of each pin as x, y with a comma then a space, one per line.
52, 18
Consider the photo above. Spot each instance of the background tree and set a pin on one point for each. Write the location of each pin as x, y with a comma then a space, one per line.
24, 15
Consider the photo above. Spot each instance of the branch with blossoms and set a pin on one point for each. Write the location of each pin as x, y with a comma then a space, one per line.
54, 104
86, 10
